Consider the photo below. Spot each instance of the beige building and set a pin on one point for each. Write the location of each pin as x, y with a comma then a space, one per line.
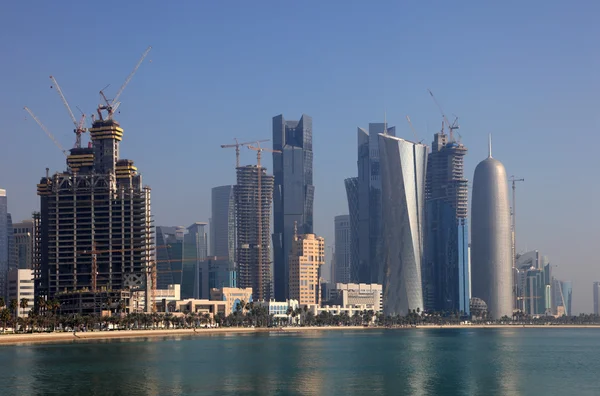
20, 285
198, 306
232, 296
306, 259
354, 294
161, 297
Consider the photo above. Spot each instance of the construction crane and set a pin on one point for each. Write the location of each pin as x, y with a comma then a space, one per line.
259, 150
514, 181
237, 146
451, 127
79, 125
413, 129
47, 131
112, 106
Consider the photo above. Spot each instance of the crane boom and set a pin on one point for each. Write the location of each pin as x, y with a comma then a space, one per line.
46, 130
237, 146
412, 128
64, 100
451, 127
130, 76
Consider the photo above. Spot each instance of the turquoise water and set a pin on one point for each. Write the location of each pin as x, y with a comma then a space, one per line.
517, 361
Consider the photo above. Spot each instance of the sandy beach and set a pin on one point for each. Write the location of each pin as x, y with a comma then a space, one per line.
13, 339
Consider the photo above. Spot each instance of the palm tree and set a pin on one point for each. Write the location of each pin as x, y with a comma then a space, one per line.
40, 304
2, 303
24, 304
4, 317
13, 305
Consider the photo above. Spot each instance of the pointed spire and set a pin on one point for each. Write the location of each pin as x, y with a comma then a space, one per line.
490, 145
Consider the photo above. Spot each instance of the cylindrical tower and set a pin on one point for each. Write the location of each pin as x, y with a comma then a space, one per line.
491, 248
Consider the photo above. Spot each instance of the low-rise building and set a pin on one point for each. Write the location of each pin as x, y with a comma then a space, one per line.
162, 297
20, 286
350, 310
232, 296
279, 309
202, 307
355, 294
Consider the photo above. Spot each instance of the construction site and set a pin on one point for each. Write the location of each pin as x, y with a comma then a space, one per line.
96, 236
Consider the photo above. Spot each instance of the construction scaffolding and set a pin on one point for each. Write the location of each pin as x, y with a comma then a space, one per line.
253, 220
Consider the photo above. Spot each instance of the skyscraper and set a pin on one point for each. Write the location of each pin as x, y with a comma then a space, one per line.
4, 251
306, 259
96, 236
253, 218
491, 247
403, 172
24, 239
596, 298
446, 266
223, 222
293, 193
369, 202
352, 194
343, 253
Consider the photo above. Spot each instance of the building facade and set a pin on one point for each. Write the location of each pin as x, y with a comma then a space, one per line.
403, 173
306, 258
491, 242
596, 294
21, 286
4, 250
222, 237
351, 185
353, 294
96, 233
446, 274
232, 296
253, 220
23, 234
293, 195
343, 249
370, 222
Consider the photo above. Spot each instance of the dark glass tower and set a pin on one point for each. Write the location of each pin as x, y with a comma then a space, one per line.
446, 269
293, 193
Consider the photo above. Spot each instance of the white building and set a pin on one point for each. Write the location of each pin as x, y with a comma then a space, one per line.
20, 286
355, 294
161, 296
279, 309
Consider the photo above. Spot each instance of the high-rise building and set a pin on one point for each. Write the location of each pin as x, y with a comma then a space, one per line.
534, 292
596, 298
352, 195
491, 247
343, 253
567, 295
23, 233
369, 203
253, 218
446, 274
306, 258
4, 250
403, 172
96, 236
222, 236
293, 194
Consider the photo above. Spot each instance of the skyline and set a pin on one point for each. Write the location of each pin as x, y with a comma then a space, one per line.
501, 81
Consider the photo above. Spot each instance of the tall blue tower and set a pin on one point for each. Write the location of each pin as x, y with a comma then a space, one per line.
446, 267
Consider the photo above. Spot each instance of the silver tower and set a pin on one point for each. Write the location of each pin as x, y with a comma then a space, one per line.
403, 169
491, 248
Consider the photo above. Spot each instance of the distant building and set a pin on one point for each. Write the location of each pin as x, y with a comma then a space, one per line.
370, 223
491, 241
306, 258
562, 292
198, 306
222, 237
446, 277
293, 195
596, 298
352, 195
343, 253
20, 286
161, 298
4, 249
352, 294
403, 170
279, 309
232, 296
253, 221
23, 234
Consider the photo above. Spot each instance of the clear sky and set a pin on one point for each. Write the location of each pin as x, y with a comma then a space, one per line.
526, 72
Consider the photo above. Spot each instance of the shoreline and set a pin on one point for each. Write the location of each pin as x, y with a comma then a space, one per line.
38, 338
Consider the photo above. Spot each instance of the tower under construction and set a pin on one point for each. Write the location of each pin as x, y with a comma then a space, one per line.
96, 234
253, 198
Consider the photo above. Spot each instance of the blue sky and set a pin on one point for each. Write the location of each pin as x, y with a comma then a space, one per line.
526, 73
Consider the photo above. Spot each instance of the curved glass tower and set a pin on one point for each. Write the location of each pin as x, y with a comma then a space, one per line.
491, 247
403, 169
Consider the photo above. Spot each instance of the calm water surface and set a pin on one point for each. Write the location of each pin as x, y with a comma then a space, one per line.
562, 362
